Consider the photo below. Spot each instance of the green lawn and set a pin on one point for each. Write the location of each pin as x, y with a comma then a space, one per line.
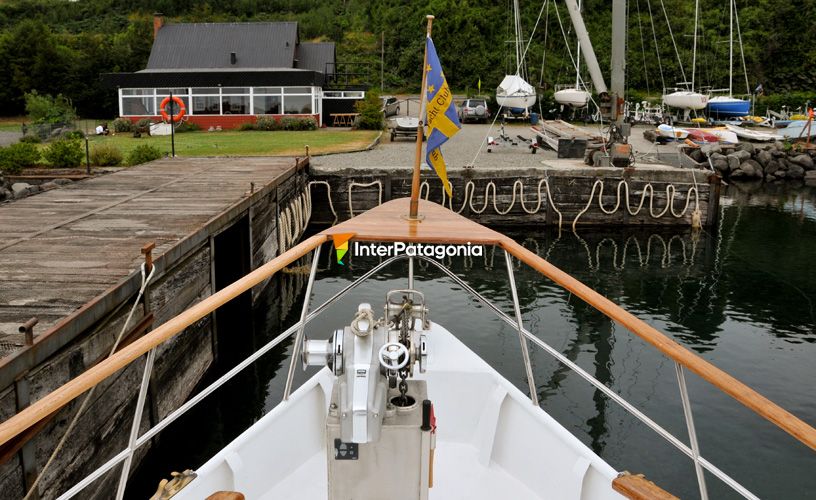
248, 143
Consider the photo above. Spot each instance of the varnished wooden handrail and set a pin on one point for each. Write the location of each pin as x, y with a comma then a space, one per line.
753, 400
75, 387
637, 487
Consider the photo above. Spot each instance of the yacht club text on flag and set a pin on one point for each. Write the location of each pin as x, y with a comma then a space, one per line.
442, 119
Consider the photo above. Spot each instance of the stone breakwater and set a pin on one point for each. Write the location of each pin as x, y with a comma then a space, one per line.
770, 162
15, 190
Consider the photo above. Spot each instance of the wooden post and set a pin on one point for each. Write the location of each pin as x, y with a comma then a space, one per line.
413, 212
28, 461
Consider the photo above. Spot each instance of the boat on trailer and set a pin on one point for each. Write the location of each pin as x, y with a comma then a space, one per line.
724, 107
572, 96
400, 407
685, 99
514, 93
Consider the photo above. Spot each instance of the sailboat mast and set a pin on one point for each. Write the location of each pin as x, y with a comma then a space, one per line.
731, 50
694, 50
578, 59
517, 29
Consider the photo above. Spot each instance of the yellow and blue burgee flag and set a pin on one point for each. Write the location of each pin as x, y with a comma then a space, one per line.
442, 120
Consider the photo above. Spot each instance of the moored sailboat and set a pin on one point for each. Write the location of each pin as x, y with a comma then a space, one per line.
514, 93
686, 98
574, 96
724, 107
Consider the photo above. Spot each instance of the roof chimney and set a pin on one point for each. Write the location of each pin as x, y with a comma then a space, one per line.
158, 22
233, 58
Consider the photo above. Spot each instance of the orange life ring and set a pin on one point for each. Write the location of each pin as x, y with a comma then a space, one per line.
177, 116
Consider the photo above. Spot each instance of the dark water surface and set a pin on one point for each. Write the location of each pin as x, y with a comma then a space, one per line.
741, 296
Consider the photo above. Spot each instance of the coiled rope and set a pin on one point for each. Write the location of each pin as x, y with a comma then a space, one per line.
364, 184
470, 189
328, 195
648, 188
293, 219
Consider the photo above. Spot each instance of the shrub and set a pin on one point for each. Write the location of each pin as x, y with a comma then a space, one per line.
18, 156
106, 155
143, 126
47, 109
122, 125
187, 127
792, 100
370, 109
267, 123
64, 153
31, 139
74, 134
299, 123
143, 154
246, 126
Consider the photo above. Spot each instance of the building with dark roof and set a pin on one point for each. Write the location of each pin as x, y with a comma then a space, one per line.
230, 73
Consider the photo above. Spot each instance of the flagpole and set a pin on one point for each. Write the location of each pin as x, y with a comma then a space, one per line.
414, 206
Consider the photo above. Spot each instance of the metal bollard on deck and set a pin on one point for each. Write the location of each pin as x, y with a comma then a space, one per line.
28, 329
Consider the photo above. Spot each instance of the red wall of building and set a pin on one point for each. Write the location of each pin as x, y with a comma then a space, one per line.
226, 122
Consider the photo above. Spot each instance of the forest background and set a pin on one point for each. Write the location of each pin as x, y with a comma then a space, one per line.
62, 47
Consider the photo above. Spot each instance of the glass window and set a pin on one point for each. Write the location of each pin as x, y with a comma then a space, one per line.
298, 104
355, 94
267, 90
235, 90
137, 91
138, 106
332, 94
267, 105
208, 105
206, 90
235, 105
166, 92
298, 90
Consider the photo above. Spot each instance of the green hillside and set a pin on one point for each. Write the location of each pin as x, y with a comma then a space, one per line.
57, 46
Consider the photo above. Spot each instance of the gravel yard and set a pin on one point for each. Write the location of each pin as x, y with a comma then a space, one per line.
461, 150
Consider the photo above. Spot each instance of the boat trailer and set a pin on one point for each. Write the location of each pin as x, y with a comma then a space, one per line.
566, 139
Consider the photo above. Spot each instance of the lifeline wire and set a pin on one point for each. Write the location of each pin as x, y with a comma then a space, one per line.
83, 406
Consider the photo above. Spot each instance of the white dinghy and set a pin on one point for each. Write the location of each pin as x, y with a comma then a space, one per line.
753, 135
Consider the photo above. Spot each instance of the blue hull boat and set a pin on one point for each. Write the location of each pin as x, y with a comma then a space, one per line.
727, 107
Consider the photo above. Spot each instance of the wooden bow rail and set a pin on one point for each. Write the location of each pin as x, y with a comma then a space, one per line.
387, 223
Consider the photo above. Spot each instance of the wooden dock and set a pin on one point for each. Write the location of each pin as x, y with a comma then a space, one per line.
71, 257
62, 248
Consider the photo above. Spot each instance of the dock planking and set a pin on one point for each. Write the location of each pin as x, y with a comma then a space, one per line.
62, 248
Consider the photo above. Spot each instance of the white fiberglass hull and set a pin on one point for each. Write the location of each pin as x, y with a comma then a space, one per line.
754, 135
664, 130
491, 442
515, 93
723, 133
686, 100
516, 102
575, 98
